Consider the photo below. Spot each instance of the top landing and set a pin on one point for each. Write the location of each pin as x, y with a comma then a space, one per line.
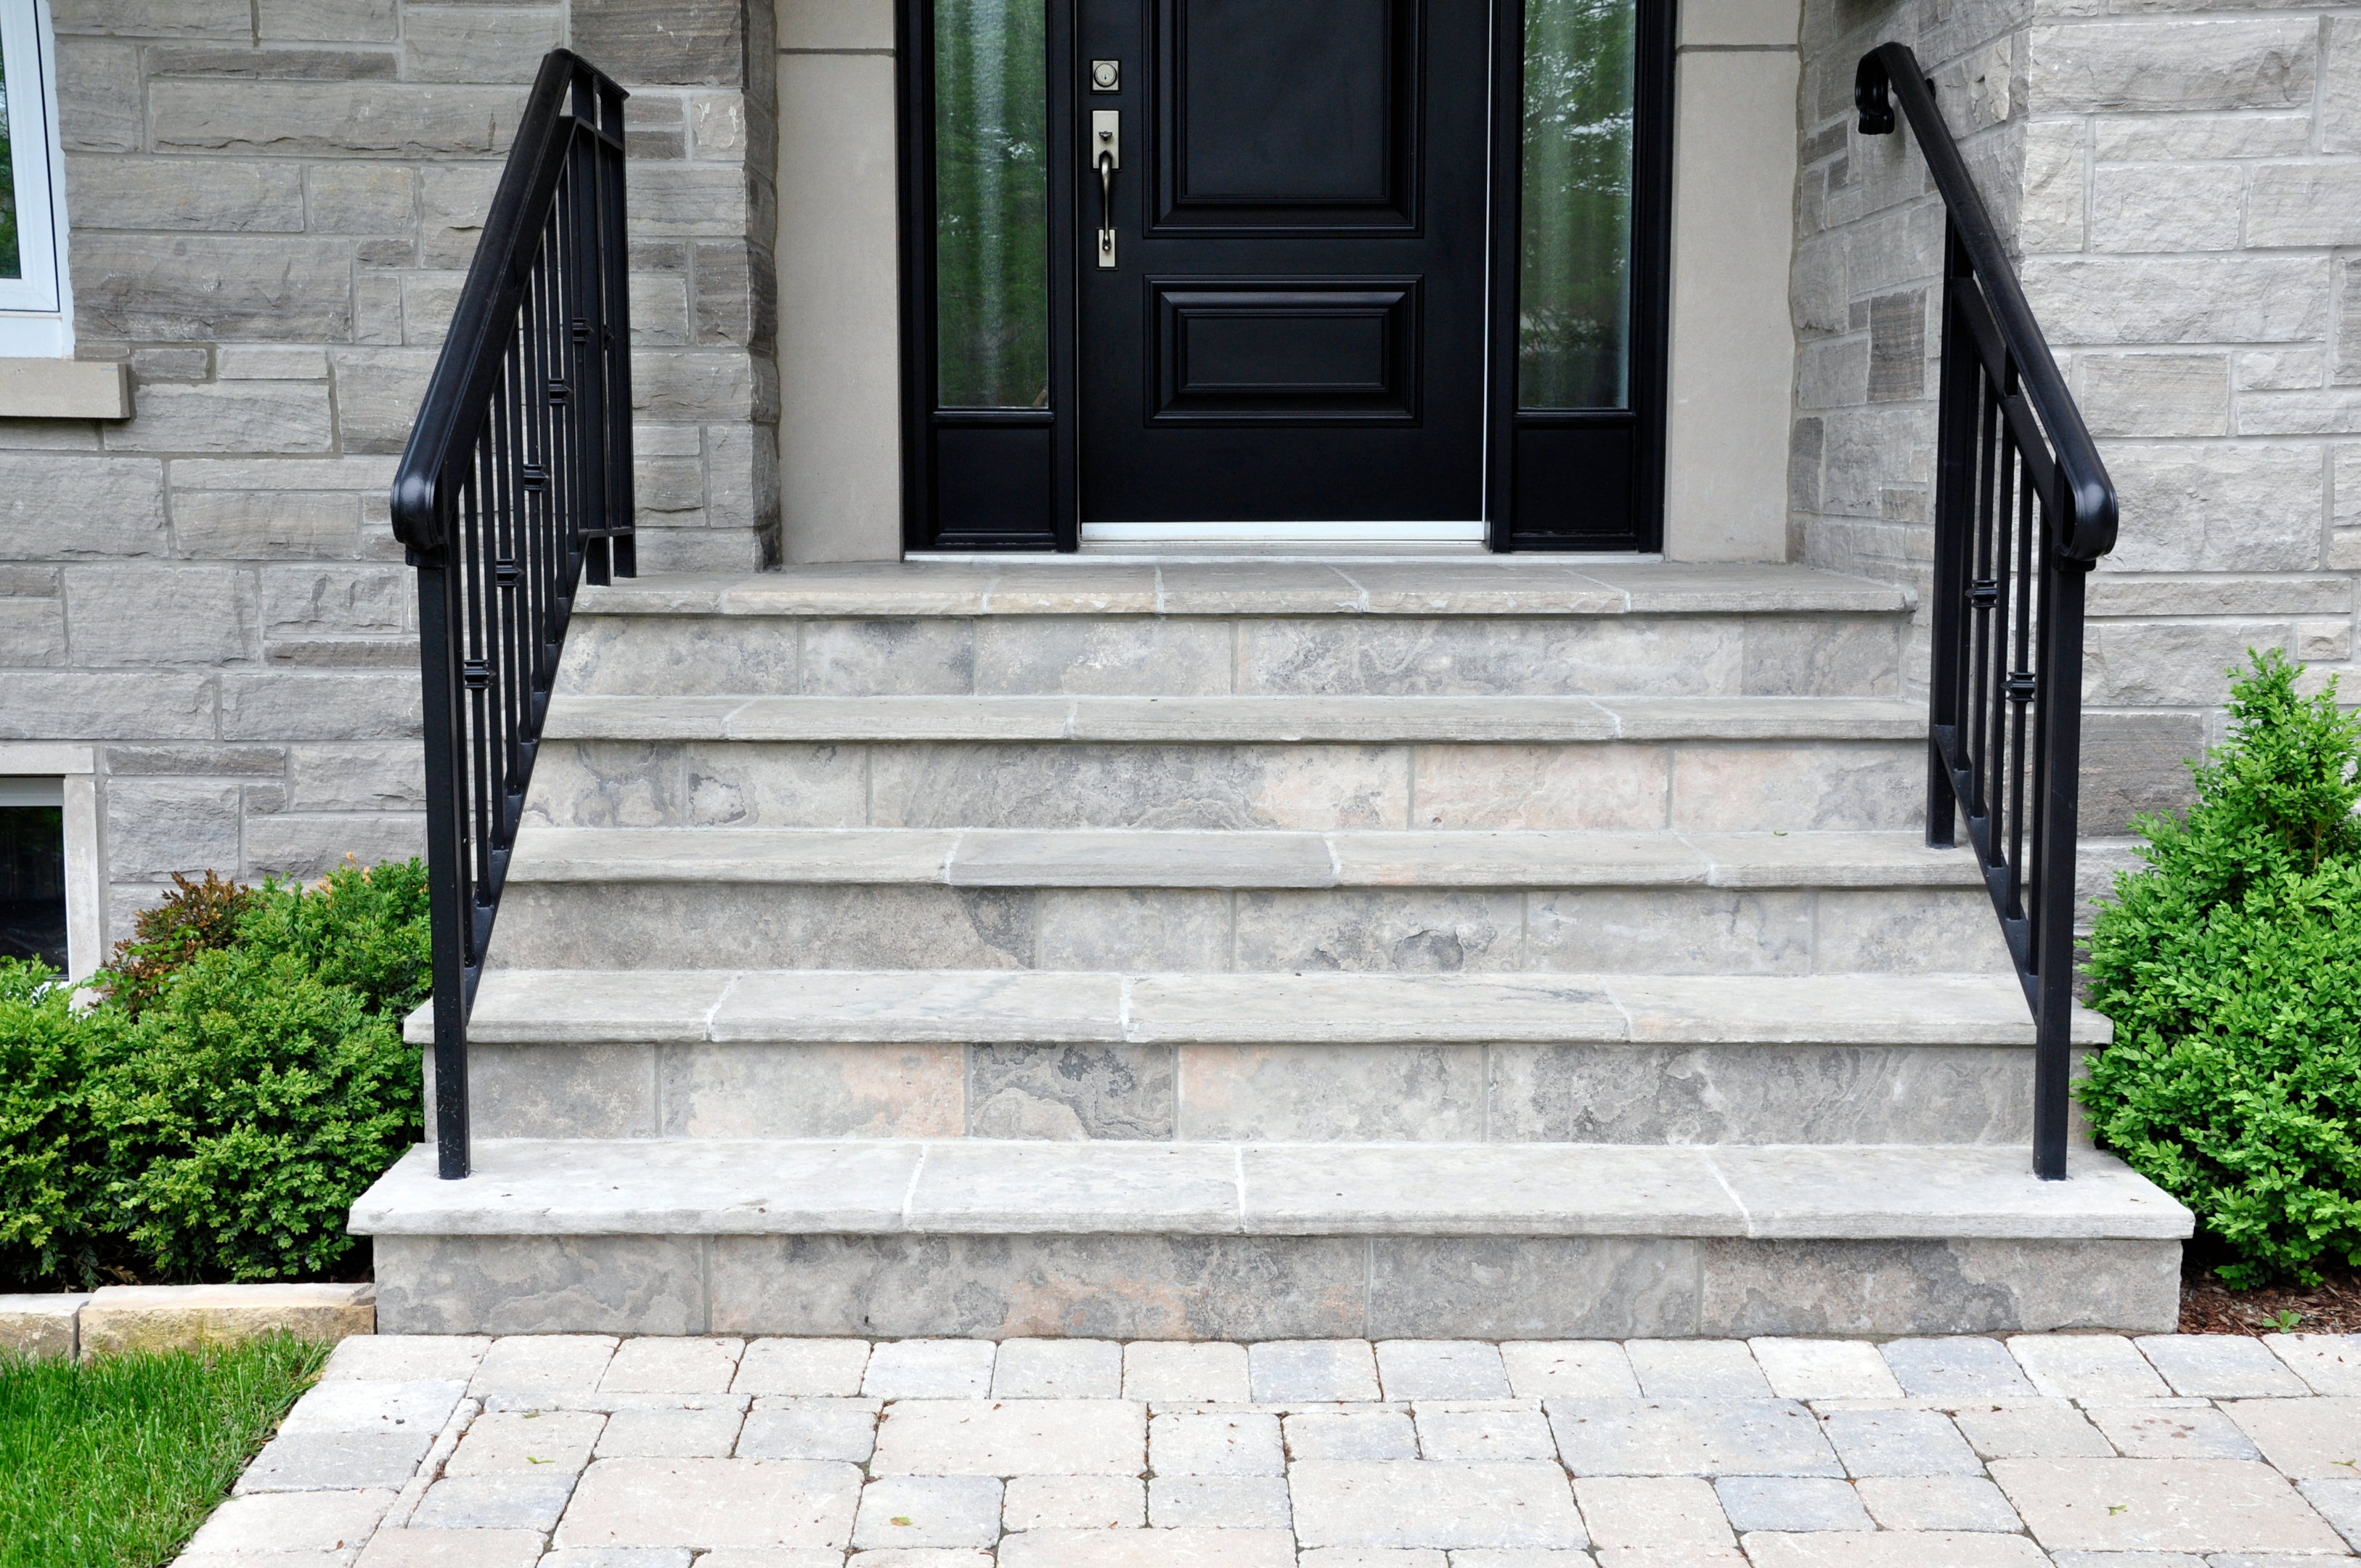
1497, 585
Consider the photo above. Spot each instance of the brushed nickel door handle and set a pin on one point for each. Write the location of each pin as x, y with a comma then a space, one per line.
1107, 140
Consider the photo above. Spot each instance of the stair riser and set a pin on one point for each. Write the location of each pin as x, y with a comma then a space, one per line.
1591, 930
1706, 655
1826, 786
1267, 1288
1368, 1093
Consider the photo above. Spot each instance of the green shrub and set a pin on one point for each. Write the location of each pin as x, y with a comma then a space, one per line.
239, 1082
2232, 969
253, 1102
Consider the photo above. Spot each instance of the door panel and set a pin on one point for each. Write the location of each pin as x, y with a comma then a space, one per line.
1293, 328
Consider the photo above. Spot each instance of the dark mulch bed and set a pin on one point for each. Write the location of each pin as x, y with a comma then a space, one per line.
2210, 1307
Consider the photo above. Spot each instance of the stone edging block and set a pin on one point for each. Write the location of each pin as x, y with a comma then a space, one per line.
176, 1317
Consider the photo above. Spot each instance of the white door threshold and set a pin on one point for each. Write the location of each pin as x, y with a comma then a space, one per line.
1166, 534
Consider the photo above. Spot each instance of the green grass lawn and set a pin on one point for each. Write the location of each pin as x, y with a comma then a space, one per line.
116, 1464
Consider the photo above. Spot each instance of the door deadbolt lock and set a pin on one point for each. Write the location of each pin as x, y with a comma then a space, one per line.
1106, 76
1106, 156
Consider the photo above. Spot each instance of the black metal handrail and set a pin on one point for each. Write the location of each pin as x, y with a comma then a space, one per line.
2006, 685
516, 483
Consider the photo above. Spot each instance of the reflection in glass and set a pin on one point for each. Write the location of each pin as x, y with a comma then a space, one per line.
33, 883
1573, 289
12, 261
991, 190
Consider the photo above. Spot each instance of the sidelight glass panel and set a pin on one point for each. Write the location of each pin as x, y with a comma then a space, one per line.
12, 259
992, 204
32, 882
1574, 274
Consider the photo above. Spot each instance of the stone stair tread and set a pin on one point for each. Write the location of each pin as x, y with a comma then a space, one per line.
1214, 859
1267, 719
1507, 584
908, 1006
743, 1187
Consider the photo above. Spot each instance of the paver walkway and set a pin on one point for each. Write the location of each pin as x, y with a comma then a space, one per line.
2088, 1451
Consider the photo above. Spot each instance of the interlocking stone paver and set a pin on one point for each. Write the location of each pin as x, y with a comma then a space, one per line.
405, 1358
369, 1404
1823, 1369
2302, 1437
2138, 1560
621, 1557
1899, 1442
2220, 1366
2254, 1560
1510, 1557
1888, 1549
1058, 1369
2339, 1502
1696, 1368
1208, 1443
2172, 1430
1218, 1502
1022, 1437
1964, 1367
1351, 1502
1568, 1369
823, 1366
2160, 1504
526, 1441
2031, 1429
1935, 1502
1311, 1371
1672, 1557
1789, 1503
921, 1557
507, 1501
1175, 1373
773, 1557
293, 1521
540, 1368
1351, 1434
1690, 1436
1074, 1502
1149, 1549
1441, 1369
1378, 1557
671, 1433
2087, 1366
1479, 1435
810, 1429
1661, 1512
712, 1503
928, 1511
929, 1369
659, 1365
336, 1462
2331, 1364
439, 1549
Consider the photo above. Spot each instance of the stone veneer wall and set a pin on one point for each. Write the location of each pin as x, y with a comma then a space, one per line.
273, 206
2178, 178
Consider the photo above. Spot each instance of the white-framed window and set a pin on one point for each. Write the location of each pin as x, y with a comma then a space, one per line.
53, 891
34, 318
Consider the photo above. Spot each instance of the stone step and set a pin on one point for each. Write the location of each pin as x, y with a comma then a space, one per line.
1858, 772
996, 1238
690, 898
1304, 627
1624, 1058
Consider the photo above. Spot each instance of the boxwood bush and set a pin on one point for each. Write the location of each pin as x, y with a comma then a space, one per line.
2231, 966
238, 1082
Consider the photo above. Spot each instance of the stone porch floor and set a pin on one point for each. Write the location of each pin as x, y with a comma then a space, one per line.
2085, 1451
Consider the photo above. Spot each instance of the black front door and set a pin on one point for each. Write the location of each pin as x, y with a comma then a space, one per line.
1280, 277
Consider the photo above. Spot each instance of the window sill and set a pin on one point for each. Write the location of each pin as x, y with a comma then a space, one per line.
65, 388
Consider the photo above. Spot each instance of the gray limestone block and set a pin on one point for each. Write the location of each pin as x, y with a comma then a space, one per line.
1789, 1503
1926, 1287
1503, 1288
336, 1461
526, 1285
1071, 1091
40, 1327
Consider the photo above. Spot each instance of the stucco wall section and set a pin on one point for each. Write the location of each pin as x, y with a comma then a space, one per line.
272, 203
2176, 181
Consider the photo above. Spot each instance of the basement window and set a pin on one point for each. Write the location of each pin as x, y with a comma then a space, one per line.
33, 317
33, 870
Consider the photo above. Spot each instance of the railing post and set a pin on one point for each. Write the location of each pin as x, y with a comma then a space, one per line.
446, 852
1955, 428
2059, 791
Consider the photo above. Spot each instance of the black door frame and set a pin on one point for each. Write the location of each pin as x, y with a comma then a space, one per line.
1516, 442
